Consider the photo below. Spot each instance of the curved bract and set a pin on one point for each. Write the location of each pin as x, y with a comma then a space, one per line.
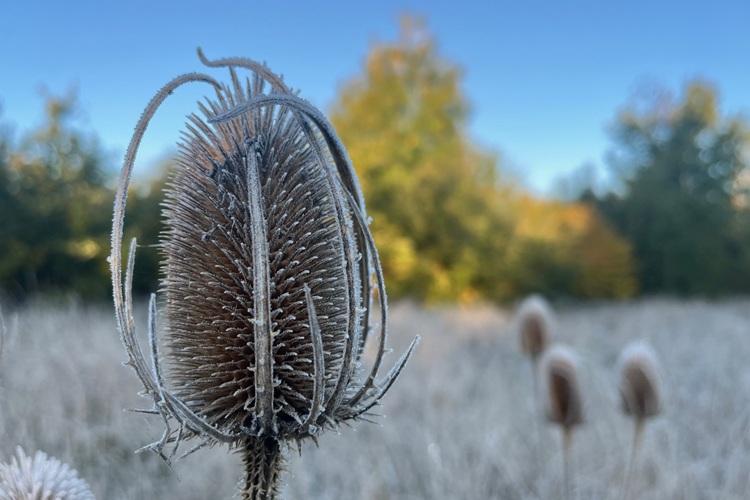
267, 270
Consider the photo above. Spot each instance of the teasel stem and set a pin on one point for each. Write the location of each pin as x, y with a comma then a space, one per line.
263, 462
3, 332
567, 440
635, 445
536, 409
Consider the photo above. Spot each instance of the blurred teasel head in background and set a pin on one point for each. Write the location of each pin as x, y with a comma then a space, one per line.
535, 323
640, 381
269, 275
562, 390
640, 395
40, 477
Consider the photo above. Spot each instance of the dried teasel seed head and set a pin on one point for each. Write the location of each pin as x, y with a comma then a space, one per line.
40, 477
562, 391
268, 269
251, 221
535, 322
640, 382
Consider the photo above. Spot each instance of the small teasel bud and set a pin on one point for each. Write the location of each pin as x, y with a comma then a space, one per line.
535, 322
40, 477
268, 273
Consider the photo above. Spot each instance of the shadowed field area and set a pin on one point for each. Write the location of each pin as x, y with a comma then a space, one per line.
461, 423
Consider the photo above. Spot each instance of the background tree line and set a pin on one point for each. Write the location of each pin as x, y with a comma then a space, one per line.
448, 224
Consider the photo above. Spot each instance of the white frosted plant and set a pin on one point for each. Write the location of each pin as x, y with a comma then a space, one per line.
40, 477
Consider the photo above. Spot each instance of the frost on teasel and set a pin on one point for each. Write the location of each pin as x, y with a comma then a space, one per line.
40, 477
535, 323
269, 275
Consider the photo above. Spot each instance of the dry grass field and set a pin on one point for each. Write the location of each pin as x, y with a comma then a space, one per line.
460, 423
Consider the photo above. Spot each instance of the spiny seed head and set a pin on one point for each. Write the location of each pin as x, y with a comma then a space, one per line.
535, 323
564, 402
640, 386
268, 272
250, 197
40, 477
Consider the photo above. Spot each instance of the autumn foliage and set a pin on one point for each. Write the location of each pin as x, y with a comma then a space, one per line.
449, 226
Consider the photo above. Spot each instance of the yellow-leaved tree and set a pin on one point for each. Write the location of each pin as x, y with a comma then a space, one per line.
567, 248
437, 218
447, 227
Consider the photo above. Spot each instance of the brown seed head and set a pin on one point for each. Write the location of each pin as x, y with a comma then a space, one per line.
639, 381
562, 390
251, 220
268, 269
535, 322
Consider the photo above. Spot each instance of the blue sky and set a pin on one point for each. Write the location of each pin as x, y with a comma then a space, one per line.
544, 78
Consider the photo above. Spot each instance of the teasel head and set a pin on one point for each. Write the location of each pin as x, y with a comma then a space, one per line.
640, 395
563, 401
40, 477
562, 391
269, 275
640, 386
535, 323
